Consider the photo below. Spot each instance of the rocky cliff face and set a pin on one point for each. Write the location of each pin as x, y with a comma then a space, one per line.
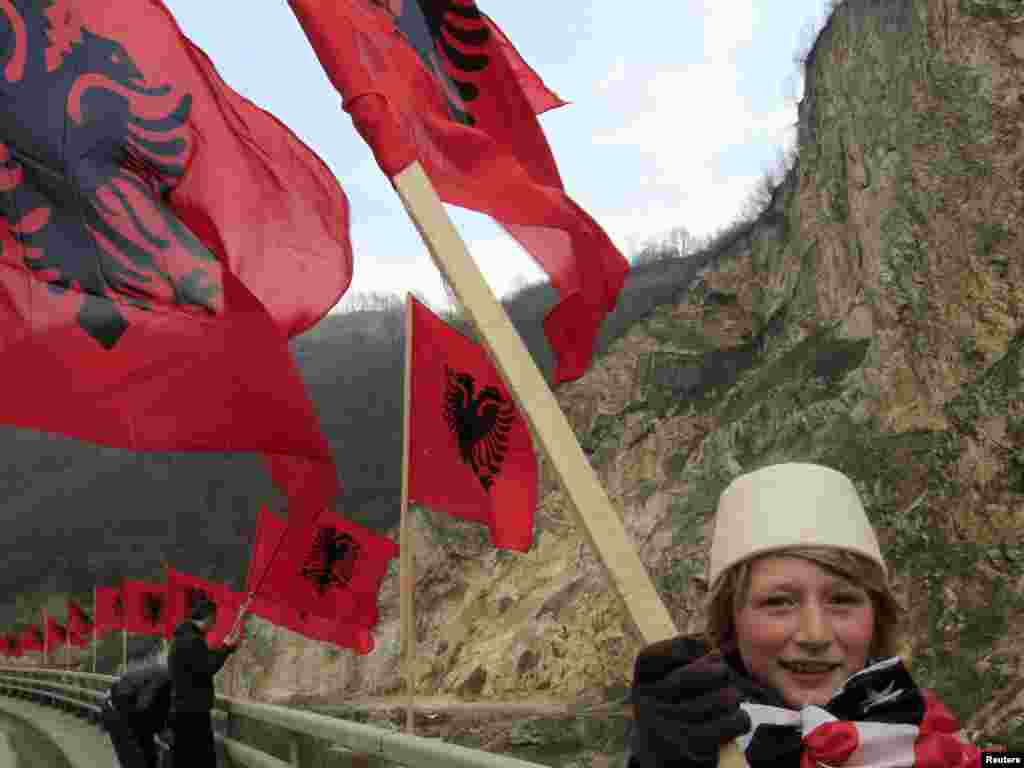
872, 320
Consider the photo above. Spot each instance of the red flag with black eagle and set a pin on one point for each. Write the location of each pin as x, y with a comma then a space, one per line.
470, 450
145, 605
437, 81
283, 614
339, 578
56, 634
183, 592
162, 238
12, 645
109, 610
32, 639
78, 620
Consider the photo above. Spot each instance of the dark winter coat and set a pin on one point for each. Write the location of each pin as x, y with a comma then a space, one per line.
142, 699
882, 693
192, 665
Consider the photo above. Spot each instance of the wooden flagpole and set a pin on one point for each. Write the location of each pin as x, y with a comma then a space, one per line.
407, 580
588, 503
594, 514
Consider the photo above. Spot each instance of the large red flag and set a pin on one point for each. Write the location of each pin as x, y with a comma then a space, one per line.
79, 622
109, 610
437, 81
340, 576
32, 639
144, 607
162, 237
470, 451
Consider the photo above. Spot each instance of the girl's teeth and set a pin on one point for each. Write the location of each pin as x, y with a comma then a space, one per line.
809, 670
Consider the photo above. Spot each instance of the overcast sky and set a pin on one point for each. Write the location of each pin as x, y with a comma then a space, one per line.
677, 107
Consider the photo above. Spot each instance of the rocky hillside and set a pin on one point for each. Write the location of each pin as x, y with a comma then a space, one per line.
872, 320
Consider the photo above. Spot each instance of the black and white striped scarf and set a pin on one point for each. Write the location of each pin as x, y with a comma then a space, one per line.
879, 718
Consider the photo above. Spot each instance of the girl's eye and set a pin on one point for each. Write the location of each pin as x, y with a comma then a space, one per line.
773, 602
848, 598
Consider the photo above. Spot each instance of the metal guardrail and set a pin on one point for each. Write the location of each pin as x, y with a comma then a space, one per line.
81, 691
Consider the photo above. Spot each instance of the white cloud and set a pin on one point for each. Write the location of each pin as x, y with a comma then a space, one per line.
616, 75
682, 121
386, 276
728, 26
702, 214
689, 117
503, 263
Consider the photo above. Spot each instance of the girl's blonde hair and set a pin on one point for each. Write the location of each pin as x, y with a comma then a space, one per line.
733, 587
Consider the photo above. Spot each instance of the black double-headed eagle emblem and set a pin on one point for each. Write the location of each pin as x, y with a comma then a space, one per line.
331, 560
428, 26
481, 422
152, 607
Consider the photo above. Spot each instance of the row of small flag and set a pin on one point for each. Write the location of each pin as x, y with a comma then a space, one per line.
470, 456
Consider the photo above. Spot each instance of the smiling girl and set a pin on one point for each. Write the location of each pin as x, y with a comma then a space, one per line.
799, 662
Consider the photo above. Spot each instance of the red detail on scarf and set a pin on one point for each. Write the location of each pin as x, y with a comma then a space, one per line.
830, 743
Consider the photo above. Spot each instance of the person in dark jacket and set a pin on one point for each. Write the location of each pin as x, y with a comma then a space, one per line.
135, 711
192, 666
799, 663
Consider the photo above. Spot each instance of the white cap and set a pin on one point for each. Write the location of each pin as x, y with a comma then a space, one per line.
789, 505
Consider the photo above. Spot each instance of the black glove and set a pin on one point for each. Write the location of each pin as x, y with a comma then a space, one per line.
685, 716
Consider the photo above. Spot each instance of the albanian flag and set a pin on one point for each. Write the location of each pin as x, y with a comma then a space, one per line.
160, 240
32, 639
470, 451
109, 610
144, 607
12, 645
79, 622
56, 635
338, 579
283, 614
183, 592
437, 81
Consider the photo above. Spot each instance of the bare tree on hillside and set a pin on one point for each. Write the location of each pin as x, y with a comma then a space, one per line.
677, 243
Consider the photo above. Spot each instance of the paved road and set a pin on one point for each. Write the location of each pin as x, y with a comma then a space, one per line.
34, 736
